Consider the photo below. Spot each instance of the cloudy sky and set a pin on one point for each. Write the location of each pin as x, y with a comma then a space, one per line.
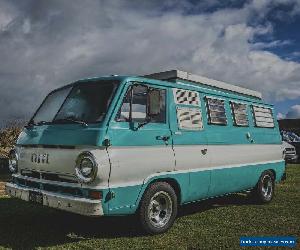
45, 44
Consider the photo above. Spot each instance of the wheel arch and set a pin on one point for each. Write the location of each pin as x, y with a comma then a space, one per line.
171, 181
273, 172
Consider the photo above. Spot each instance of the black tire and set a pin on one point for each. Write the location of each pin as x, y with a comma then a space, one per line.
264, 189
160, 200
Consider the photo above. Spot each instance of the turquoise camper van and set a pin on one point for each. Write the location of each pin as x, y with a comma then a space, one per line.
146, 145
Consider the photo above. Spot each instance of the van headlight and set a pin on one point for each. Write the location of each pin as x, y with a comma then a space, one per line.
13, 161
86, 167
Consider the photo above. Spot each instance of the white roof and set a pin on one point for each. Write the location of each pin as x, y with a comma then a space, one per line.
178, 74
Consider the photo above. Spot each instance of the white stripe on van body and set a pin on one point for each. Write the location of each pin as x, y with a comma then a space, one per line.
128, 184
137, 164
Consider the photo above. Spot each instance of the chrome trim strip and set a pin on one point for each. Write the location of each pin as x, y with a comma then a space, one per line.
58, 183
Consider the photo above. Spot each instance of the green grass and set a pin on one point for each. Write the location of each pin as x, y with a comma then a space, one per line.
212, 224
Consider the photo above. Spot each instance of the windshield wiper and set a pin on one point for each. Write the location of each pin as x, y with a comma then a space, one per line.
41, 123
32, 123
68, 119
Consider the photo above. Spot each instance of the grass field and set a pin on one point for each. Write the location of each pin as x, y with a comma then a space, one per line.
212, 224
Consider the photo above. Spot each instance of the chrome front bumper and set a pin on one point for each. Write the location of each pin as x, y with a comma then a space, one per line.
72, 204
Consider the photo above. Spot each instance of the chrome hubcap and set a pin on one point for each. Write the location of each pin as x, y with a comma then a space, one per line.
267, 186
160, 209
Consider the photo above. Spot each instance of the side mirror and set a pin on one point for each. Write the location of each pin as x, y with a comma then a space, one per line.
153, 102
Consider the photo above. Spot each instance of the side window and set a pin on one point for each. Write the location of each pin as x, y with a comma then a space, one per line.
263, 117
186, 97
188, 109
216, 111
189, 118
139, 104
139, 94
239, 114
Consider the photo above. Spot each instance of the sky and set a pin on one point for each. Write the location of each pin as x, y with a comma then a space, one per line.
45, 44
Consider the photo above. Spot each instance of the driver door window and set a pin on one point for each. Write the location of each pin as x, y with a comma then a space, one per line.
139, 95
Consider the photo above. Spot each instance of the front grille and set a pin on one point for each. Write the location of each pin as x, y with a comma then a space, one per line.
49, 187
290, 153
48, 176
290, 149
31, 174
61, 189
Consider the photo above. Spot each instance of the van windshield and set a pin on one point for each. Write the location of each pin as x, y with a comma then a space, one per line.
86, 102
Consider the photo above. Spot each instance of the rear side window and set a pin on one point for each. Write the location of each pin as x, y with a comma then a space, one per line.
188, 110
239, 114
263, 117
216, 111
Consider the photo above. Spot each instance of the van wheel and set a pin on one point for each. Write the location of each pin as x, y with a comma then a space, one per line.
264, 190
158, 208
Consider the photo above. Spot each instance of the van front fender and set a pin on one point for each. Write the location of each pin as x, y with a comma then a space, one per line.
178, 181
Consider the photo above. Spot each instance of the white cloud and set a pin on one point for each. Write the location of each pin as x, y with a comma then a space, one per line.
26, 26
272, 44
280, 116
65, 42
7, 14
294, 112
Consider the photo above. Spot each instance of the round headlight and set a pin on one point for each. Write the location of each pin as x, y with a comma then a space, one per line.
13, 161
86, 167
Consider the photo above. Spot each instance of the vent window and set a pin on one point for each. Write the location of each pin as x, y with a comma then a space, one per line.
239, 113
216, 111
189, 118
186, 97
263, 117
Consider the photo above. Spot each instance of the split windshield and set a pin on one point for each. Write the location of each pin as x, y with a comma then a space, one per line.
81, 103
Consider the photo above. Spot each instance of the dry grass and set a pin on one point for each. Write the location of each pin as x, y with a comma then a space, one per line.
3, 180
8, 137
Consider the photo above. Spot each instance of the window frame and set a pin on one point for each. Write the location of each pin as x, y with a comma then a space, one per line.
234, 114
189, 110
197, 100
255, 118
149, 86
208, 111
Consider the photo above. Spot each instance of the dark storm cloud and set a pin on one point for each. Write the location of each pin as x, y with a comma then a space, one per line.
46, 44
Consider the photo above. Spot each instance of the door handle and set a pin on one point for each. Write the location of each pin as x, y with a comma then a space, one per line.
163, 138
248, 135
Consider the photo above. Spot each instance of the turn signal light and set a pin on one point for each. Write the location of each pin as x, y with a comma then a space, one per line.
97, 195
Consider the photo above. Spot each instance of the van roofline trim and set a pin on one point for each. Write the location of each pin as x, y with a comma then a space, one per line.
179, 74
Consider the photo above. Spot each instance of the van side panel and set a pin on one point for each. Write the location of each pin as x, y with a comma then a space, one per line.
226, 178
234, 179
190, 147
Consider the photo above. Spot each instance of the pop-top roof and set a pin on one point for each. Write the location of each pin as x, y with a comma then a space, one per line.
178, 74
